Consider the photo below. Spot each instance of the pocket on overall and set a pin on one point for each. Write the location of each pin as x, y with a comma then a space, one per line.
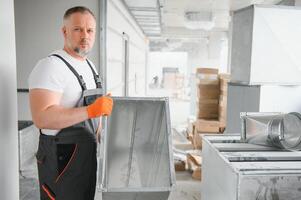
66, 154
89, 96
40, 156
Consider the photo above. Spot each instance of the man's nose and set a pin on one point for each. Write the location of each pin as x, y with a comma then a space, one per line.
84, 33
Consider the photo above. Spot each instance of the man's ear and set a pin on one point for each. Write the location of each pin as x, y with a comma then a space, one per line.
64, 31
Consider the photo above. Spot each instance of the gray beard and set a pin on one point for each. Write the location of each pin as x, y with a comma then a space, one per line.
80, 52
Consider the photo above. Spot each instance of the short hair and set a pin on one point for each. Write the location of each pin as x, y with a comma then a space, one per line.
77, 9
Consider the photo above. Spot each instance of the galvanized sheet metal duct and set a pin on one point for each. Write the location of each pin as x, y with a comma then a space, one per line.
273, 129
138, 160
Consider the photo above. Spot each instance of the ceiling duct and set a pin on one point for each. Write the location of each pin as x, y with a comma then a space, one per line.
199, 20
147, 14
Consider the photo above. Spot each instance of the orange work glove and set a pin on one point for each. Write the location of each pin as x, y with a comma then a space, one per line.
101, 106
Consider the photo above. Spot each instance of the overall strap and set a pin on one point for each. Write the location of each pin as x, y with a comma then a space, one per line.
79, 77
96, 76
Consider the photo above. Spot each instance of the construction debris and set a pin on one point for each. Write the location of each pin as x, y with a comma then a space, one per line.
194, 165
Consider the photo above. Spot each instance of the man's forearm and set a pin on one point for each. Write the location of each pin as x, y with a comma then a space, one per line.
57, 117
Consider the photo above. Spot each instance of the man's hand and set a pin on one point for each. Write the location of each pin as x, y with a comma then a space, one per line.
101, 106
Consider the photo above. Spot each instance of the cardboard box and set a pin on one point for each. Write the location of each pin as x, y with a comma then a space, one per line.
224, 76
193, 161
224, 80
207, 126
223, 100
224, 90
197, 174
197, 140
207, 81
222, 110
210, 111
208, 91
204, 70
180, 165
208, 102
207, 108
207, 76
189, 130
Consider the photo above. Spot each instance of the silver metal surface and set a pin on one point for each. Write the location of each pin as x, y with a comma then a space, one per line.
261, 46
237, 146
272, 129
285, 131
248, 174
219, 179
138, 161
264, 98
255, 126
263, 156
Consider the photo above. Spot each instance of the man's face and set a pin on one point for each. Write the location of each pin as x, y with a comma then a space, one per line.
79, 33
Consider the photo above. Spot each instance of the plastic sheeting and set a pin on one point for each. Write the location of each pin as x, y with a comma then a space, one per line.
137, 150
28, 145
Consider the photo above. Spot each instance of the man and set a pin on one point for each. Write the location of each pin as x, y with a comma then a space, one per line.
66, 105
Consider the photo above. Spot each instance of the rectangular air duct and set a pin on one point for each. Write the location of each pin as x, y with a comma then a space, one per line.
137, 149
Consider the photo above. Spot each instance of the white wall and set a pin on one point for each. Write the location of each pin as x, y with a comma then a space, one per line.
9, 176
119, 21
158, 60
297, 2
24, 112
277, 98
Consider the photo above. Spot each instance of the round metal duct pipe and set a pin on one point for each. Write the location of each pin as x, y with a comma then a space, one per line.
285, 131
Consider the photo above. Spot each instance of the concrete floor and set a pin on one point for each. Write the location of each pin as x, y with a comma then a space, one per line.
186, 188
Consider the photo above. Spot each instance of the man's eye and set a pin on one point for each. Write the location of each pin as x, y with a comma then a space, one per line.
90, 31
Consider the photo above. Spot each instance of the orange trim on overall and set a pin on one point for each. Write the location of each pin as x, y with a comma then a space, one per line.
72, 157
48, 193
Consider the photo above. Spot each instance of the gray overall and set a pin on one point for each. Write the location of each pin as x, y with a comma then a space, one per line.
67, 162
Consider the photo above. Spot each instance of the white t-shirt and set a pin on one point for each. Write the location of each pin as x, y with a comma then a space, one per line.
52, 73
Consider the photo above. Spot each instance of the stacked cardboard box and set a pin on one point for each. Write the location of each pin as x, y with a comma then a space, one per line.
208, 91
212, 91
222, 108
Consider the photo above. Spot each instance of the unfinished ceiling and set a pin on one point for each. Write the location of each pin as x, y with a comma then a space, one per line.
147, 14
178, 24
189, 18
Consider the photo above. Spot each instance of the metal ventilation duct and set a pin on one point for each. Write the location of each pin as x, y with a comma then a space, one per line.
199, 20
147, 13
137, 151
